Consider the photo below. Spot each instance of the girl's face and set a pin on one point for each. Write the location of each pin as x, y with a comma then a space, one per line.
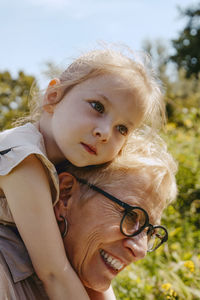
93, 120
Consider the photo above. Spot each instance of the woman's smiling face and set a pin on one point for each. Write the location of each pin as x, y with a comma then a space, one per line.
96, 248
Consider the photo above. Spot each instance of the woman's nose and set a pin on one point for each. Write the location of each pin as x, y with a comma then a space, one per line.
103, 133
137, 245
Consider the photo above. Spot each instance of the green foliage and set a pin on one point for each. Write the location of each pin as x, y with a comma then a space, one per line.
188, 43
13, 97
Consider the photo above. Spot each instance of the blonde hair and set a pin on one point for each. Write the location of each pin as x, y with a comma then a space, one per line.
148, 157
135, 68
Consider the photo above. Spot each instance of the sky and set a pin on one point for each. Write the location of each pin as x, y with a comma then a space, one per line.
34, 32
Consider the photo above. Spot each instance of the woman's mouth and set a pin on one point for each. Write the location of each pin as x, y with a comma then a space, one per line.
115, 264
89, 148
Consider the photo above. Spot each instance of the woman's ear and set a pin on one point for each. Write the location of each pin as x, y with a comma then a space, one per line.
67, 185
52, 95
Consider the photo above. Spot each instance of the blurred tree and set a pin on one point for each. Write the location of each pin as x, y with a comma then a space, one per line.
158, 51
180, 92
13, 97
51, 70
188, 44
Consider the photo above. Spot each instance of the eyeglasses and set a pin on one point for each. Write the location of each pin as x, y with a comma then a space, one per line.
135, 220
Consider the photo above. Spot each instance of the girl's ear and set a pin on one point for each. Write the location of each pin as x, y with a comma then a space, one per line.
52, 95
67, 185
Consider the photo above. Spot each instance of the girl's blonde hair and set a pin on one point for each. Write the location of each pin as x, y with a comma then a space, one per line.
147, 158
135, 68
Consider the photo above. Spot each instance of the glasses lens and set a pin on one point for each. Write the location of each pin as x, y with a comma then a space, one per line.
156, 237
133, 222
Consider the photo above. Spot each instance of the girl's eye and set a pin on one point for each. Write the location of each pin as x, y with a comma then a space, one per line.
122, 129
98, 106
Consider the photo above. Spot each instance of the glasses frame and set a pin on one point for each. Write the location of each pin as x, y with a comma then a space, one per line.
163, 240
128, 208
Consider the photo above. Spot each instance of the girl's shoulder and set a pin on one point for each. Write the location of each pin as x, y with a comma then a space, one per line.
18, 143
18, 136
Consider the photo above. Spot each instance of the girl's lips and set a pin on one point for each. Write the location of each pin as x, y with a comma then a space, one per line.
89, 148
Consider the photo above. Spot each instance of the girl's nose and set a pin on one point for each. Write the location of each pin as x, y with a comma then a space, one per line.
102, 133
137, 245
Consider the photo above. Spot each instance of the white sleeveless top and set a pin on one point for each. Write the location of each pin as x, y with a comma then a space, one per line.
15, 145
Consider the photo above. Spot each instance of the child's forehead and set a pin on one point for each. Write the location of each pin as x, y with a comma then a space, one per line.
112, 84
121, 82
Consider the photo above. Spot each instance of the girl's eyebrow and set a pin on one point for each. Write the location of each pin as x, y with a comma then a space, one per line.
105, 98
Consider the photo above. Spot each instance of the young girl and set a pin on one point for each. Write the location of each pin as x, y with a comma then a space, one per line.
86, 117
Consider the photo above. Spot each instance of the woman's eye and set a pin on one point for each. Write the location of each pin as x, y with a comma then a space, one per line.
122, 129
98, 106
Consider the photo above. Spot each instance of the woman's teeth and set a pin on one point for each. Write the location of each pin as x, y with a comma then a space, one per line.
111, 261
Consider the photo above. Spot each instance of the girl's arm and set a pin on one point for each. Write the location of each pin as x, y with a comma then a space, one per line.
29, 197
108, 295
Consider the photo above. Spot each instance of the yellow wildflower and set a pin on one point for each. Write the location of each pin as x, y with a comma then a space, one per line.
170, 126
171, 292
188, 123
166, 286
189, 265
138, 280
175, 246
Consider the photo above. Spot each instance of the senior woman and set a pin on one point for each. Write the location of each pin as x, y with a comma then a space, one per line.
108, 216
